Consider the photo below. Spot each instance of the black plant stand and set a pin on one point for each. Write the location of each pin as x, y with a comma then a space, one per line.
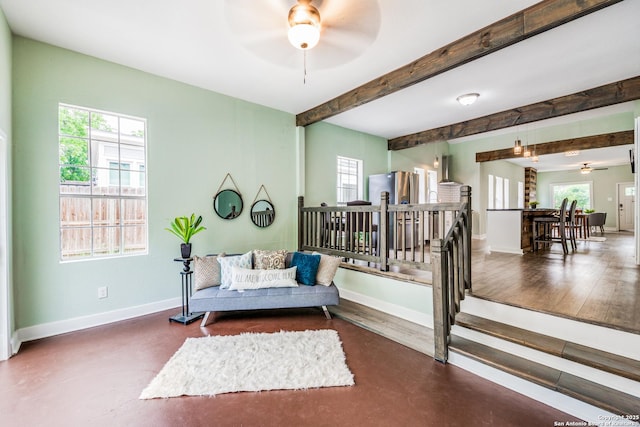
186, 316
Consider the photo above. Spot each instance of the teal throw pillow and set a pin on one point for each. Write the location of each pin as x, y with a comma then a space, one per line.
307, 267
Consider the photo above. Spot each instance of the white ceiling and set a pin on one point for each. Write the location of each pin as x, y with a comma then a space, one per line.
240, 48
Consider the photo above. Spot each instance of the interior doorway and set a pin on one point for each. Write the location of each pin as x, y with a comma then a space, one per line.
5, 334
626, 206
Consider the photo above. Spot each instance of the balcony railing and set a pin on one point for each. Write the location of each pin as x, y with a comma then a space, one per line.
433, 237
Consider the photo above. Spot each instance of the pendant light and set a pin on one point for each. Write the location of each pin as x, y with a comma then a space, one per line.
517, 148
436, 163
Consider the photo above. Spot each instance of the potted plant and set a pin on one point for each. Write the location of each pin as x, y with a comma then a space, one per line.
533, 204
184, 228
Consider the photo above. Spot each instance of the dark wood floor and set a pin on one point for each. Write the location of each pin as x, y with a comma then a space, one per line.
94, 377
599, 283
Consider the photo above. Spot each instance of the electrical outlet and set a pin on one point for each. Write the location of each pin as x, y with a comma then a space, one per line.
103, 292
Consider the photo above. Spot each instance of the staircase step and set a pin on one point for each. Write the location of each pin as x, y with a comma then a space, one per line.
587, 391
598, 359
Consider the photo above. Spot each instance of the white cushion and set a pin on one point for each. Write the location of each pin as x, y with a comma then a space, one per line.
226, 263
327, 269
243, 278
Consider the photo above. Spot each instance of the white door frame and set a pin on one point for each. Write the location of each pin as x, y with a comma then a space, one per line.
620, 185
636, 227
5, 294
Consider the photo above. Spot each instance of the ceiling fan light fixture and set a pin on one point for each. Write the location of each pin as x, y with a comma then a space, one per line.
585, 169
468, 98
304, 23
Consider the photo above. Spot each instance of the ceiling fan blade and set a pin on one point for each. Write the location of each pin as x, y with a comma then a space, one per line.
347, 29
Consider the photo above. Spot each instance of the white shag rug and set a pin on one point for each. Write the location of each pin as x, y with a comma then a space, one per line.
252, 362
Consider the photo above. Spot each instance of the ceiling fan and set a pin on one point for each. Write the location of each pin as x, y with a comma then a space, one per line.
346, 29
586, 169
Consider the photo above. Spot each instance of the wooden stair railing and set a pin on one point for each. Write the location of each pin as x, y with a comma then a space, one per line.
363, 233
451, 272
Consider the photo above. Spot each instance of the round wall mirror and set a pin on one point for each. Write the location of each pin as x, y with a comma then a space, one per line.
228, 204
263, 213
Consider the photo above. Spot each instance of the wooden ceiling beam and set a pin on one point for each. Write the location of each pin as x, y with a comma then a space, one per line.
555, 147
520, 26
602, 96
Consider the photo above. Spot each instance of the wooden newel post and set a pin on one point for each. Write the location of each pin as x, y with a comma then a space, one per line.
383, 231
440, 302
465, 197
300, 222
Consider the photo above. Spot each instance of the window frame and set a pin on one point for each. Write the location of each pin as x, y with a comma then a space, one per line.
100, 199
359, 177
568, 184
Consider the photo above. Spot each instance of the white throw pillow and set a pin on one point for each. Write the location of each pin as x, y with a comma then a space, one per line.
243, 278
327, 269
226, 263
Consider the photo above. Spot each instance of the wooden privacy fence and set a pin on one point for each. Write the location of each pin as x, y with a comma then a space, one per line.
100, 221
432, 237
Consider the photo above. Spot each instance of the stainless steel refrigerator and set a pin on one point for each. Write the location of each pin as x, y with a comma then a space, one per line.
403, 187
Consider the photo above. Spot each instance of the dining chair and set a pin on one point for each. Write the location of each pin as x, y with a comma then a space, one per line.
597, 220
572, 225
543, 229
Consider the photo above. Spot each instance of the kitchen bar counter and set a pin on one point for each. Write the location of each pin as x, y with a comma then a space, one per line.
511, 230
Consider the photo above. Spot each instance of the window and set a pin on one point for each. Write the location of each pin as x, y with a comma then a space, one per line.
421, 189
432, 177
520, 195
499, 198
490, 194
498, 192
119, 173
580, 191
103, 200
349, 180
506, 202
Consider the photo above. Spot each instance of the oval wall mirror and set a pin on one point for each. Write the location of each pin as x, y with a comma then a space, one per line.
228, 204
262, 213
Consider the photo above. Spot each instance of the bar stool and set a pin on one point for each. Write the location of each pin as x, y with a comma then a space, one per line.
543, 229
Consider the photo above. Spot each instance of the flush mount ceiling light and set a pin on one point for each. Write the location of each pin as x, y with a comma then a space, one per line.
468, 98
304, 25
571, 153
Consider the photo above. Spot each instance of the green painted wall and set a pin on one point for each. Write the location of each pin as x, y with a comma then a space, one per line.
604, 189
194, 138
324, 142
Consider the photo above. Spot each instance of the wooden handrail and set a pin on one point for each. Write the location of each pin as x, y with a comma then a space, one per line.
397, 235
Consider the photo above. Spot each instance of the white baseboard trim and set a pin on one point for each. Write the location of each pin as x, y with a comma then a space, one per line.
14, 344
78, 323
512, 251
414, 316
562, 402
